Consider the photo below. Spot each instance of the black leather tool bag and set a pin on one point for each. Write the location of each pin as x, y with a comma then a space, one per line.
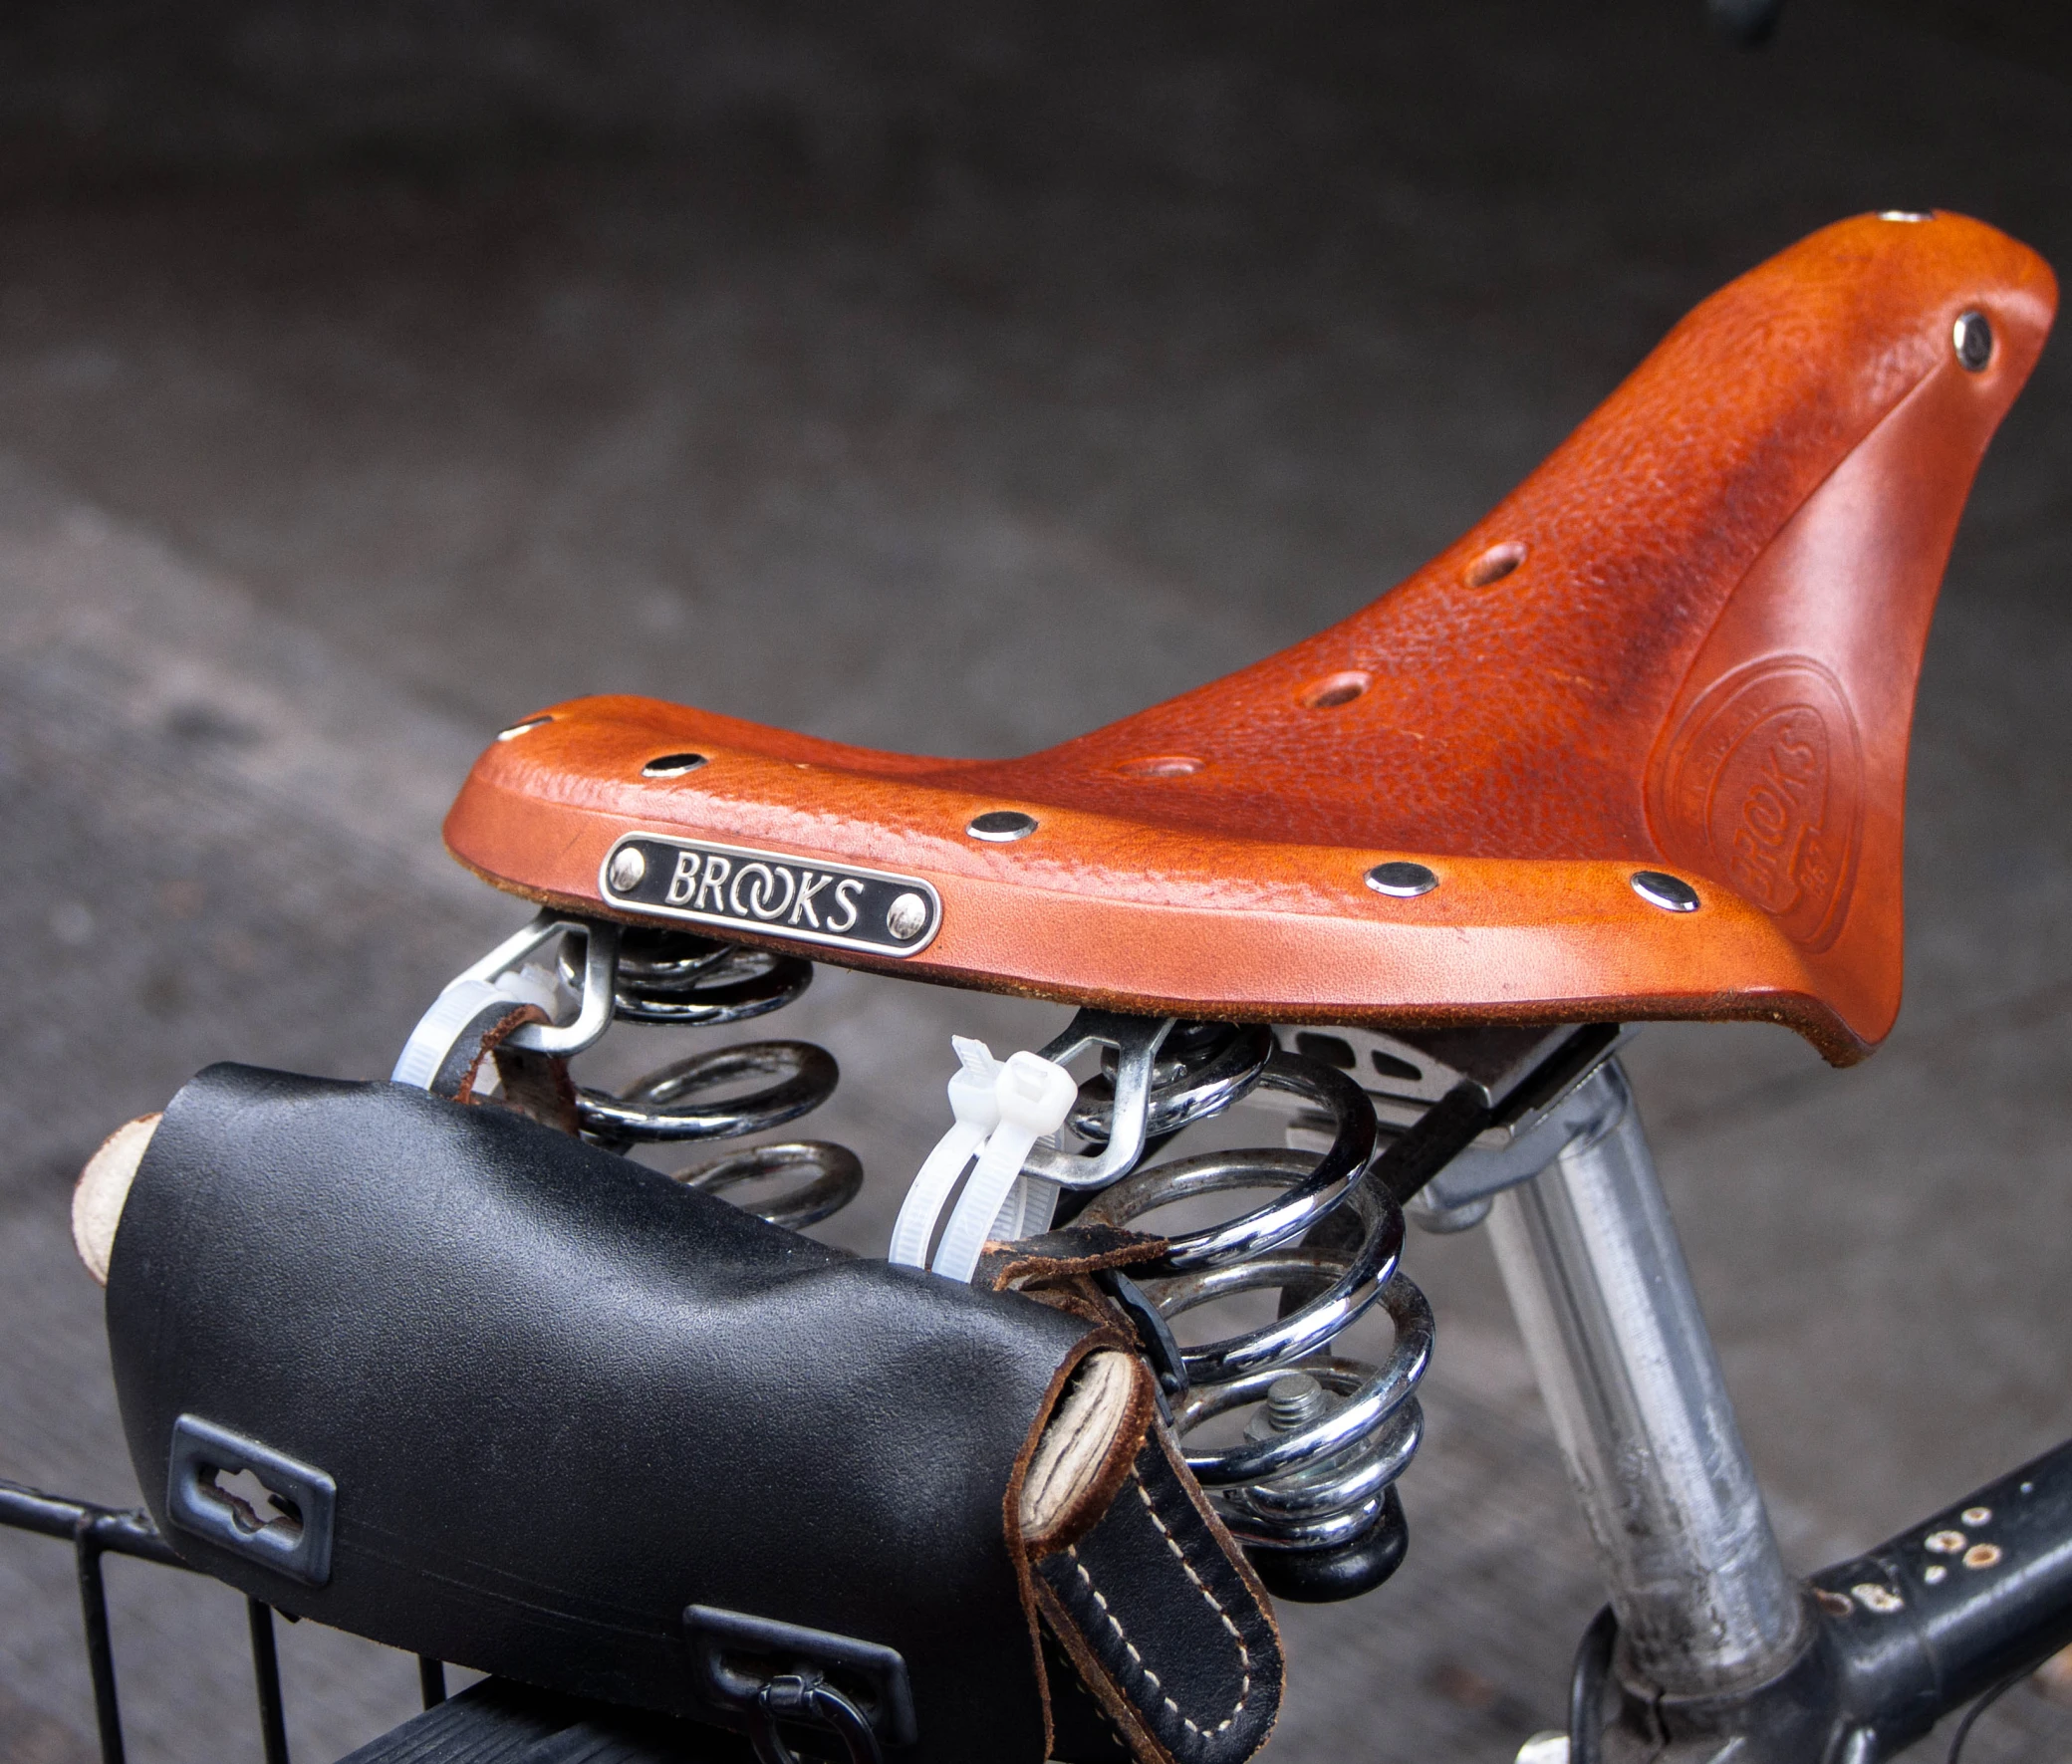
522, 1405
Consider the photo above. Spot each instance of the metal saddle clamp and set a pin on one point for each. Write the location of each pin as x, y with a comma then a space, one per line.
662, 978
504, 980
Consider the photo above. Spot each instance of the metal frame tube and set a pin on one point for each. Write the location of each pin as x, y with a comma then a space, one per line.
1625, 1362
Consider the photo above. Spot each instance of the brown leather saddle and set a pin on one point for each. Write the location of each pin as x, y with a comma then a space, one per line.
1634, 747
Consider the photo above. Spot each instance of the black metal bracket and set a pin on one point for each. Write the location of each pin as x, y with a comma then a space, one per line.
296, 1543
753, 1672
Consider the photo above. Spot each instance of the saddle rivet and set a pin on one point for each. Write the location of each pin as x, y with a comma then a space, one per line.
905, 916
1671, 893
517, 729
671, 765
1001, 827
1402, 880
628, 867
1973, 335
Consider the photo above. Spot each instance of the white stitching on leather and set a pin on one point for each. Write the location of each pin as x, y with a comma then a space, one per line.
1245, 1656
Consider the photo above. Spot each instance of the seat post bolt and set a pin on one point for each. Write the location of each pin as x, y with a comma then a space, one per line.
1293, 1401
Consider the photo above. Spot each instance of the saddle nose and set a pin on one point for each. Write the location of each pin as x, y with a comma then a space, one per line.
1684, 648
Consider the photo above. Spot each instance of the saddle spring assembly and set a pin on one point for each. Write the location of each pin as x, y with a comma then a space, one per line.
671, 979
674, 978
1310, 1487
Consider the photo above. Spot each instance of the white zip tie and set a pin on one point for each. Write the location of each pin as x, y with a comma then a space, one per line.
1001, 1110
976, 1112
1035, 1096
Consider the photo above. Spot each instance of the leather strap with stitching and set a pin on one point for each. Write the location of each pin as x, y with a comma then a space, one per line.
1163, 1622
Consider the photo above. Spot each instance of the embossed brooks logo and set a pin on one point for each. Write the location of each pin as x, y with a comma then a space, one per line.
863, 909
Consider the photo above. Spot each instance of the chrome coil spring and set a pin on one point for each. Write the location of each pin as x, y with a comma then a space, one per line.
674, 979
1310, 1486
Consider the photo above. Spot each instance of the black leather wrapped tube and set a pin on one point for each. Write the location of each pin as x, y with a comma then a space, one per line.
560, 1399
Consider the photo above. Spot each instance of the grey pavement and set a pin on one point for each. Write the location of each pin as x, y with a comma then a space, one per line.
956, 381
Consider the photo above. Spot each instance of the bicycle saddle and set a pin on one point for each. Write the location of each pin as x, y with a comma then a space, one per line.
1635, 746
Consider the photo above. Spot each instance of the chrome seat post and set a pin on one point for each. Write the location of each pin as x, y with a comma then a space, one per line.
1603, 1296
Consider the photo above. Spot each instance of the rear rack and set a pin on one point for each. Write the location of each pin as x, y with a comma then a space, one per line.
96, 1531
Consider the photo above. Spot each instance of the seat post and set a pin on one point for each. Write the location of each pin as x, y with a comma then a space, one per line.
1624, 1359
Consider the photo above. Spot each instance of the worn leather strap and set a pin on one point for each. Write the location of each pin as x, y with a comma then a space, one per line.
1195, 1678
1166, 1628
535, 1085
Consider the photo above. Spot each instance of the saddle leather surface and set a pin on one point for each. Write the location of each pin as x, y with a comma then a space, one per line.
561, 1400
1688, 642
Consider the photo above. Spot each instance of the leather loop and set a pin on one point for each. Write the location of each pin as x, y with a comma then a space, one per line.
535, 1085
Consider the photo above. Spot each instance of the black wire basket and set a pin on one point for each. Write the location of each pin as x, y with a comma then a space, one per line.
97, 1531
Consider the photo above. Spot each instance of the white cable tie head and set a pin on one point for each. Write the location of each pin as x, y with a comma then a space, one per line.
1036, 1095
534, 984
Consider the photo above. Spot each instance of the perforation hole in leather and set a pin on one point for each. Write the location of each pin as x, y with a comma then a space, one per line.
672, 765
1161, 764
1495, 563
1335, 689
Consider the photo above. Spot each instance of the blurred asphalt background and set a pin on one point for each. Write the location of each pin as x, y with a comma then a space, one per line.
957, 380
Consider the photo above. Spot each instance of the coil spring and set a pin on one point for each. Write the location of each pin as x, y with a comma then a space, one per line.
675, 978
1310, 1489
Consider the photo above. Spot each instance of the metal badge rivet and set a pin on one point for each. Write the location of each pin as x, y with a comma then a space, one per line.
1671, 893
905, 916
1000, 826
1402, 880
628, 867
517, 729
1972, 334
671, 765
